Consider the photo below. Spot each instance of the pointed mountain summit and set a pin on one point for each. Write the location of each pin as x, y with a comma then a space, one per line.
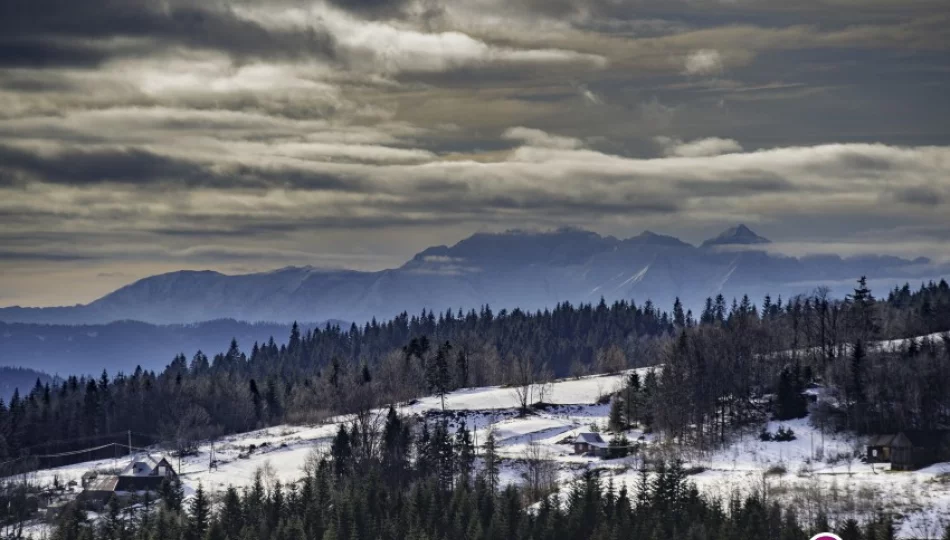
650, 238
739, 235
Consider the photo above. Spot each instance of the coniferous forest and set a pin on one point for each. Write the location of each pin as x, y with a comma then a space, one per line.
383, 495
774, 347
420, 479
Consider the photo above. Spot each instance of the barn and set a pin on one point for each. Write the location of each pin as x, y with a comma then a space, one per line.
914, 449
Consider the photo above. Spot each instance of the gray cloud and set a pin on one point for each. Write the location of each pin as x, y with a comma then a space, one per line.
178, 22
138, 136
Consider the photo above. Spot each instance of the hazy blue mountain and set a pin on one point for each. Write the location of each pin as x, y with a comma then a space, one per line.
738, 235
120, 346
529, 270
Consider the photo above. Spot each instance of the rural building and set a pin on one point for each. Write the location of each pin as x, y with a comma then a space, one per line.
143, 474
914, 449
146, 474
98, 489
879, 448
589, 443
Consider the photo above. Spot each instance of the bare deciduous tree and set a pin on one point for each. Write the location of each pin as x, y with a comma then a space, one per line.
540, 472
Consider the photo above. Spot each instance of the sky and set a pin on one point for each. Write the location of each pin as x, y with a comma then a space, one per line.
144, 136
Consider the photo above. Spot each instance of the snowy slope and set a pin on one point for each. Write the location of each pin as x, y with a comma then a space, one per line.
814, 466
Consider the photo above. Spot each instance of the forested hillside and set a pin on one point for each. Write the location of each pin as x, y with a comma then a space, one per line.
12, 378
378, 493
716, 365
87, 349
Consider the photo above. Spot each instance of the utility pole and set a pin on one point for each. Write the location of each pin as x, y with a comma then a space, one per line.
130, 443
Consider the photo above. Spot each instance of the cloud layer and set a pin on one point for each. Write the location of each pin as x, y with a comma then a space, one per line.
138, 137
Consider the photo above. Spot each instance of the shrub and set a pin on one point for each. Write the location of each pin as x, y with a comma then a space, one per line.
784, 435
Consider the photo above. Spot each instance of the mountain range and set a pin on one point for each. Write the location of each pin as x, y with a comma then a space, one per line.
530, 270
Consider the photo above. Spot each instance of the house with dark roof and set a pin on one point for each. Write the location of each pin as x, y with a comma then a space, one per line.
914, 449
879, 448
145, 473
98, 488
589, 443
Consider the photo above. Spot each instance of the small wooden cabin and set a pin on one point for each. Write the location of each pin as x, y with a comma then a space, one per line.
914, 449
879, 448
590, 443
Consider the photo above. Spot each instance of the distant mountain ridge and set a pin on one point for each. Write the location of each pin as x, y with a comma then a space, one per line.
529, 270
739, 235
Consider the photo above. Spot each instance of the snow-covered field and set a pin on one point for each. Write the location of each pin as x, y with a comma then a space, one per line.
809, 469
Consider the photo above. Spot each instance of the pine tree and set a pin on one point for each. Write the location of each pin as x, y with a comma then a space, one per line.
884, 529
631, 398
199, 515
232, 516
851, 531
464, 453
442, 454
172, 494
863, 311
790, 401
256, 399
437, 373
424, 464
679, 318
619, 445
461, 370
396, 443
491, 460
341, 451
615, 419
858, 355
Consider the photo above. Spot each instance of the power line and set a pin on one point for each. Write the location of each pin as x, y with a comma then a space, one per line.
74, 453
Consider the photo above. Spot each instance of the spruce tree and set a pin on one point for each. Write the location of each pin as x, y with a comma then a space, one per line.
199, 515
491, 460
464, 453
437, 373
615, 419
341, 451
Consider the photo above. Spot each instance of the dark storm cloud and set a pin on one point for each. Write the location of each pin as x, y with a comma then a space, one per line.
373, 8
737, 187
42, 53
128, 165
7, 255
919, 196
141, 167
25, 24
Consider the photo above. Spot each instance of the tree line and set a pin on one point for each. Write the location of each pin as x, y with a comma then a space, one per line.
775, 347
392, 487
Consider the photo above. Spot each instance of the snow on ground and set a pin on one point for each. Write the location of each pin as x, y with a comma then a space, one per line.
821, 473
585, 390
285, 447
811, 468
